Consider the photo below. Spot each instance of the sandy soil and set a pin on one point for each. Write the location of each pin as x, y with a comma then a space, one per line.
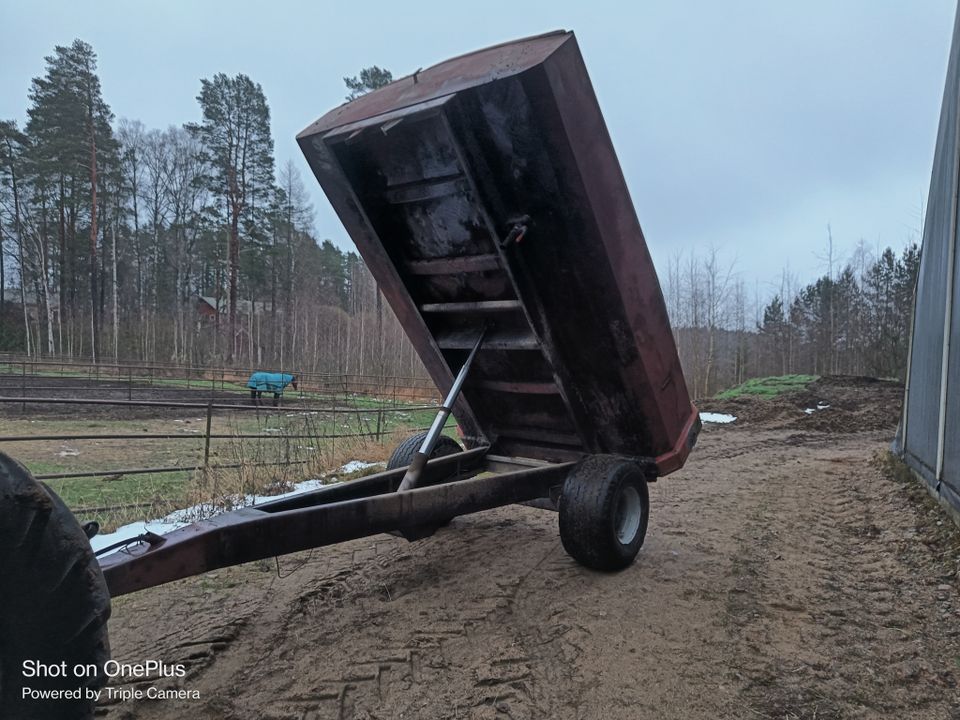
785, 575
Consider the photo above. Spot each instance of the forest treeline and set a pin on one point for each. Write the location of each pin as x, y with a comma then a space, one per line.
855, 319
188, 244
182, 244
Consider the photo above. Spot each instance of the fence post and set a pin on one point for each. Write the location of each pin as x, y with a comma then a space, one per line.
129, 383
23, 384
206, 444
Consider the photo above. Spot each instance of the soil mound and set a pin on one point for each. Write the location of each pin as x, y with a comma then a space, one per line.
855, 404
833, 403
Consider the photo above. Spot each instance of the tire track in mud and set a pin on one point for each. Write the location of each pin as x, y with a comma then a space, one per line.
769, 586
440, 651
372, 659
820, 612
196, 639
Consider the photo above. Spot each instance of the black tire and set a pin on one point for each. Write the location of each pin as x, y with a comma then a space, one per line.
402, 455
54, 602
604, 512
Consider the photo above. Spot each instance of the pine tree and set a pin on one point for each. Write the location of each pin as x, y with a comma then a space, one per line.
71, 140
12, 149
370, 78
238, 151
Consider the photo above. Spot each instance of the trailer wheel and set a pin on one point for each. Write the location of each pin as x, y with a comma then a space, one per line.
403, 454
604, 510
54, 602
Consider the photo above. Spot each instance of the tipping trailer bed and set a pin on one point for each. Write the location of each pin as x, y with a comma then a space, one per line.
485, 192
485, 197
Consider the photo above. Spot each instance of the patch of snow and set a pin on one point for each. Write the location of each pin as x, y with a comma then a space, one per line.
355, 465
719, 418
179, 518
202, 511
68, 452
820, 406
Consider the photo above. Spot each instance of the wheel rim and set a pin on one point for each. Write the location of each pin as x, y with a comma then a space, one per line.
628, 515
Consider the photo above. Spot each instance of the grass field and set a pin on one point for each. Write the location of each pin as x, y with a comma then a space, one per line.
154, 494
768, 386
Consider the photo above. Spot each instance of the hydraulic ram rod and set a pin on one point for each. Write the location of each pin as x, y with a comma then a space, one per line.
412, 476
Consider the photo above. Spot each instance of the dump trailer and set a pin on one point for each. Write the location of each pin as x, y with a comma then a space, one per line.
485, 197
484, 192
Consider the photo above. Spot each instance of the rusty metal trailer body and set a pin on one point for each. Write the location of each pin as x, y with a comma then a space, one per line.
485, 191
486, 199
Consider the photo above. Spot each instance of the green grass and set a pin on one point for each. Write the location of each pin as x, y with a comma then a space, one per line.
768, 386
96, 492
168, 491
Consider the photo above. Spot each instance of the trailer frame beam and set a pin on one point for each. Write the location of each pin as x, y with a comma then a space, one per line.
327, 516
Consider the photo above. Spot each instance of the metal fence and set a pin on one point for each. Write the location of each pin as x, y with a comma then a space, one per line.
350, 408
375, 420
32, 369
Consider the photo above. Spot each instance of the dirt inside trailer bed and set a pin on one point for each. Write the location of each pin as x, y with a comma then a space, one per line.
786, 574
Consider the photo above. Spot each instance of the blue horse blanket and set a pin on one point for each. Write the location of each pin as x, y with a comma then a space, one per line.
269, 382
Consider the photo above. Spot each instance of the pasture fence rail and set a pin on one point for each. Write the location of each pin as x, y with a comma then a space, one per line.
375, 432
222, 378
371, 405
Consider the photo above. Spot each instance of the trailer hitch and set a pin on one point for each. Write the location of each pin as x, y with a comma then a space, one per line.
412, 476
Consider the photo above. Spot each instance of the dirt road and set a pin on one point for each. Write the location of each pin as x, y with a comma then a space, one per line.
785, 575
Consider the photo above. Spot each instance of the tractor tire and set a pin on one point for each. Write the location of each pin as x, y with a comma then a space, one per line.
604, 511
54, 602
402, 455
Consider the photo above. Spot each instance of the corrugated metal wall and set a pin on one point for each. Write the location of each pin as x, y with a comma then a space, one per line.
929, 436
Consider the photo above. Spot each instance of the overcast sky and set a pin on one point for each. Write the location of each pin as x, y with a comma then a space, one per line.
747, 126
